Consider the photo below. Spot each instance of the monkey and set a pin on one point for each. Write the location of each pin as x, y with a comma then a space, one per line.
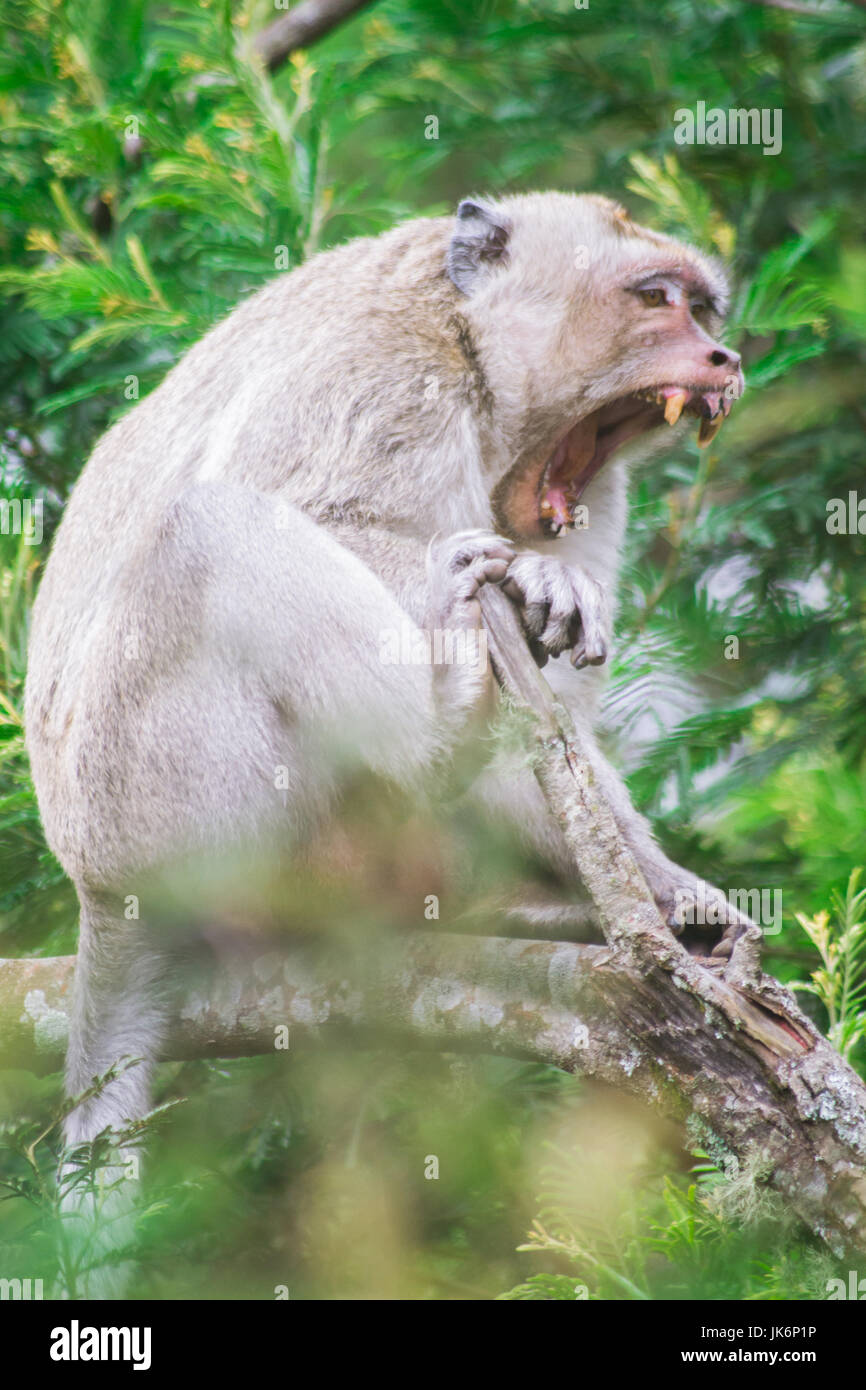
356, 449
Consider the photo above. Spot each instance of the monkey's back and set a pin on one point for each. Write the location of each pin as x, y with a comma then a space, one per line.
273, 398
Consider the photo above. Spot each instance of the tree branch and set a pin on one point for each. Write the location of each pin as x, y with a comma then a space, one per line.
771, 1073
811, 11
303, 25
795, 1111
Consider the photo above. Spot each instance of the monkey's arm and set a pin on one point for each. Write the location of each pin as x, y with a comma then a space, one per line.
398, 560
563, 610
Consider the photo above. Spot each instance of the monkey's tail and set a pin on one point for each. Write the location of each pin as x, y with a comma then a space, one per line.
116, 1033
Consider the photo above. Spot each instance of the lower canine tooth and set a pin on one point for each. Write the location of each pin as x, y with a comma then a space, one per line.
674, 406
708, 430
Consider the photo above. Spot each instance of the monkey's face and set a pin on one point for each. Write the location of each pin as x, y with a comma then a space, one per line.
611, 331
663, 364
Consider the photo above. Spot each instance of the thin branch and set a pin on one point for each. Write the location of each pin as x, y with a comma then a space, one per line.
302, 26
811, 11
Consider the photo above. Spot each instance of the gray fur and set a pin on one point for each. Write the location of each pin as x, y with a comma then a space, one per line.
319, 468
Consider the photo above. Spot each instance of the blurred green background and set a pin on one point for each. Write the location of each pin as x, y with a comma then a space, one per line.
150, 172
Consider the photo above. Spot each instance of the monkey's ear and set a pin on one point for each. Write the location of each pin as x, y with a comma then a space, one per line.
479, 240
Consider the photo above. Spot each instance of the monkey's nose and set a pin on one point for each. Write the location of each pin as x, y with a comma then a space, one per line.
721, 357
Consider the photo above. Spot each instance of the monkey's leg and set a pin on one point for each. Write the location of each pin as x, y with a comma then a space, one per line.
269, 662
118, 1015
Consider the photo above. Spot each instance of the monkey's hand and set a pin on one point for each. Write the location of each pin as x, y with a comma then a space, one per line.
563, 609
457, 567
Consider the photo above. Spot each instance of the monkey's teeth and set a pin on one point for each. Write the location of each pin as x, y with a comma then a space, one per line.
709, 429
674, 406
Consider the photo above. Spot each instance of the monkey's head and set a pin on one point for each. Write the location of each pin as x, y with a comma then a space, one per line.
595, 336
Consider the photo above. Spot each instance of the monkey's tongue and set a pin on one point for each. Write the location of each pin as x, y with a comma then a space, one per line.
569, 471
556, 506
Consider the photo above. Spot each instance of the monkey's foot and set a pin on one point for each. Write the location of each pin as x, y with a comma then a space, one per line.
703, 919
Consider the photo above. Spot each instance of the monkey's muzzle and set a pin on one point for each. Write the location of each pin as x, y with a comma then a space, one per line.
588, 445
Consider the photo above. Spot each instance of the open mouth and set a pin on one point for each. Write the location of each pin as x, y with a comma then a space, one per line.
592, 441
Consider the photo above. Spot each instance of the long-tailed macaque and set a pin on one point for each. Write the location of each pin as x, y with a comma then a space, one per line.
354, 450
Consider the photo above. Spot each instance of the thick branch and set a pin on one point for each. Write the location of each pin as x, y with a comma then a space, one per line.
581, 1008
519, 998
734, 1044
303, 25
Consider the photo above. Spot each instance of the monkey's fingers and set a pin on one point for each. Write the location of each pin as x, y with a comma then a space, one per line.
580, 658
535, 619
528, 592
591, 648
561, 606
482, 570
470, 546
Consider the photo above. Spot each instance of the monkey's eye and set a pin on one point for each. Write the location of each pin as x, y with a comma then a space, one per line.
653, 298
699, 308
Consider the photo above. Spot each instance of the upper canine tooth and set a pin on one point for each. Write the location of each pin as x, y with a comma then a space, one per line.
674, 406
708, 430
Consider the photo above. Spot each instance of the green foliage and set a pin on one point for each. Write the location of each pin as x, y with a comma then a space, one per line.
29, 874
840, 981
669, 1238
154, 177
31, 1151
